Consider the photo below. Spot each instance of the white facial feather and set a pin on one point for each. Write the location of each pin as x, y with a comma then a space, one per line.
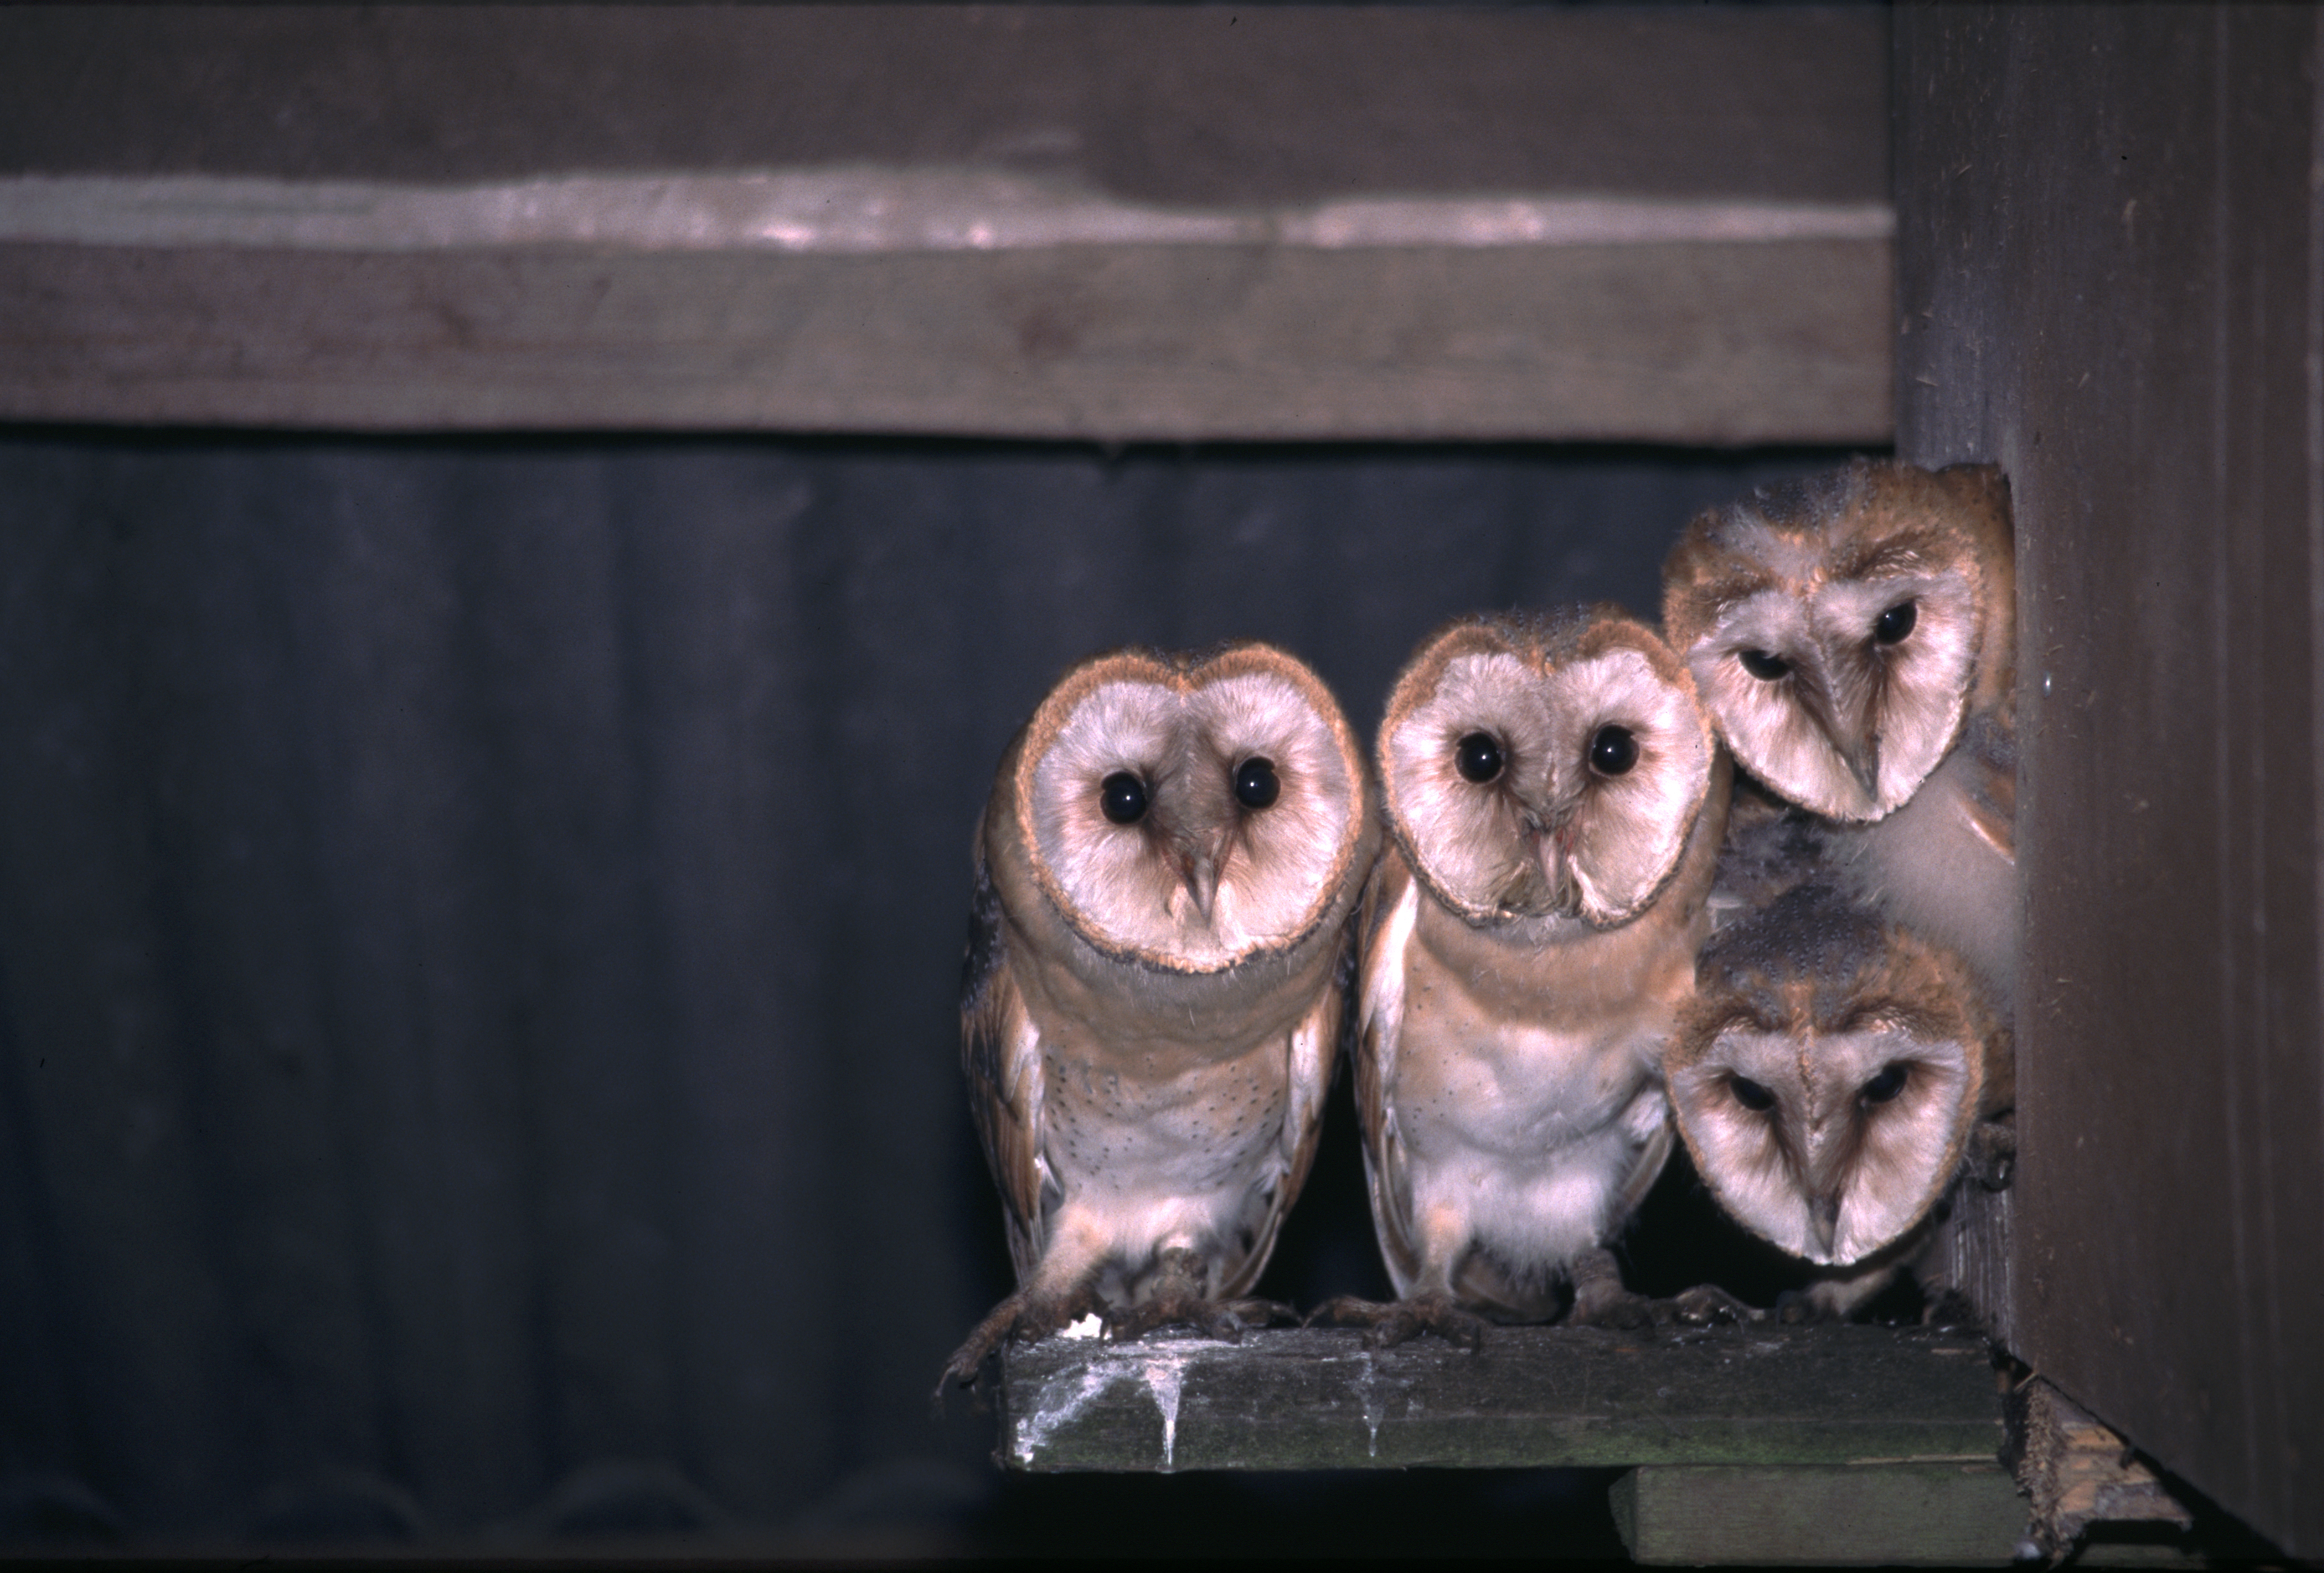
1548, 780
1275, 865
1827, 1072
1548, 821
1842, 630
1904, 702
1884, 1163
1155, 981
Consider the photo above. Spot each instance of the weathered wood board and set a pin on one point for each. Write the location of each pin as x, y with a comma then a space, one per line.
1618, 226
2111, 258
1946, 1515
1317, 1398
1701, 343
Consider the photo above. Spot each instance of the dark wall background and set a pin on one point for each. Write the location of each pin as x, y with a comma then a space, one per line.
479, 923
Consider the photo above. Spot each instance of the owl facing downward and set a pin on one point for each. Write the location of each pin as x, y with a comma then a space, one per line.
1155, 977
1854, 639
1844, 629
1828, 1077
1555, 799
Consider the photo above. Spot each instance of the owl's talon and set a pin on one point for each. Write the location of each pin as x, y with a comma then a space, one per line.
1618, 1308
1212, 1318
1798, 1308
1706, 1305
1027, 1316
1388, 1324
1175, 1297
1263, 1313
1599, 1301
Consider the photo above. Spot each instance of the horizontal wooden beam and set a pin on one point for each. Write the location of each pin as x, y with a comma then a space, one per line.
1688, 341
1856, 1397
1942, 1516
1109, 223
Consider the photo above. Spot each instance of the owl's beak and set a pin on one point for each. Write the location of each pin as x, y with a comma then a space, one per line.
1199, 861
1560, 891
1823, 1220
1857, 744
1861, 754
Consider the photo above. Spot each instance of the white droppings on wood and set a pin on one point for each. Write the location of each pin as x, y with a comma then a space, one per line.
1367, 1393
1162, 1370
1164, 1375
1048, 1416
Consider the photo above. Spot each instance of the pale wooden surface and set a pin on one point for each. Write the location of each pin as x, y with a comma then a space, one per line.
1316, 1398
1326, 182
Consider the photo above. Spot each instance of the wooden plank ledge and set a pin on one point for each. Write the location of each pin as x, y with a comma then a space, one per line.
1317, 1398
1117, 223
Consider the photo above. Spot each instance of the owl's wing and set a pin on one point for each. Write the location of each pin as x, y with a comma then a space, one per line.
1001, 1051
1989, 748
1313, 1050
1391, 907
1653, 1153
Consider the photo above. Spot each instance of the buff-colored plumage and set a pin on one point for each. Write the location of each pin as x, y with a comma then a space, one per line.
1854, 639
1829, 1077
1528, 939
1152, 1002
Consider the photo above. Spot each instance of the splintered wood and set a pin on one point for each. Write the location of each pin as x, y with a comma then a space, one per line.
2078, 1473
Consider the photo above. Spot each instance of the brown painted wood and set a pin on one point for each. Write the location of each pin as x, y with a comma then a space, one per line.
2112, 278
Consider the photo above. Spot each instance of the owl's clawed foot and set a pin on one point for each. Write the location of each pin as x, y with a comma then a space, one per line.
1388, 1324
1599, 1301
1796, 1307
1705, 1305
1032, 1312
1175, 1297
1224, 1319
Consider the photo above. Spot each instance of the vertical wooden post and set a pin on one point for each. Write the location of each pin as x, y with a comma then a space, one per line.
2111, 270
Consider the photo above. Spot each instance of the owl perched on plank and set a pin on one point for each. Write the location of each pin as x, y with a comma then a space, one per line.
1156, 971
1556, 798
1829, 1077
1853, 636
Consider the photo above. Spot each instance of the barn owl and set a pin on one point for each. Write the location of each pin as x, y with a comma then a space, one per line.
1829, 1079
1853, 638
1157, 971
1554, 797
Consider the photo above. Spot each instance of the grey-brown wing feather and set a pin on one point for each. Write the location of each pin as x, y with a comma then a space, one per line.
1990, 743
1001, 1051
1373, 1045
1312, 1049
1651, 1158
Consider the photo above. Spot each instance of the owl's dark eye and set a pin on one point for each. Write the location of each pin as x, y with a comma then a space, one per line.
1613, 751
1766, 667
1752, 1095
1885, 1085
1892, 626
1255, 783
1478, 756
1122, 796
